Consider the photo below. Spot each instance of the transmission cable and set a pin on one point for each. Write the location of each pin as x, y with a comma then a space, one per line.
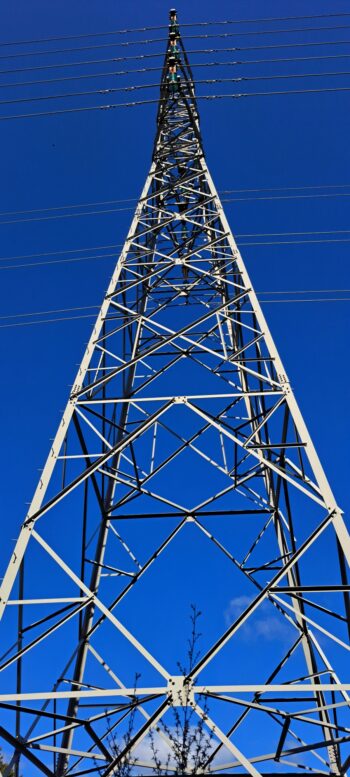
243, 62
197, 51
285, 234
114, 254
159, 69
253, 32
160, 27
286, 197
62, 251
30, 265
164, 26
162, 54
86, 205
135, 200
204, 36
236, 95
57, 216
295, 242
269, 78
237, 235
96, 307
288, 188
138, 87
47, 312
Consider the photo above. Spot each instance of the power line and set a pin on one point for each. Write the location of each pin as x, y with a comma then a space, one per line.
204, 36
163, 26
287, 197
138, 87
67, 216
269, 94
92, 315
255, 32
59, 253
47, 321
59, 216
296, 242
96, 307
288, 188
152, 102
161, 55
285, 234
65, 207
307, 291
47, 312
80, 77
76, 64
114, 254
56, 216
111, 90
30, 265
326, 299
159, 69
271, 78
89, 48
134, 199
238, 236
63, 251
238, 62
316, 58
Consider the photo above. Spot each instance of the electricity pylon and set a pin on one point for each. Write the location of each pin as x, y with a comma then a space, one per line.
182, 467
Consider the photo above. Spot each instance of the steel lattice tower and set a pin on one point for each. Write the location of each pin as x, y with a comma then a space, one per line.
182, 451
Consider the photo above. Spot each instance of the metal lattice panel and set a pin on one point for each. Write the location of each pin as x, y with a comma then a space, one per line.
182, 459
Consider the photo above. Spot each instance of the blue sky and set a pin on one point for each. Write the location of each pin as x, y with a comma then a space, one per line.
253, 143
104, 155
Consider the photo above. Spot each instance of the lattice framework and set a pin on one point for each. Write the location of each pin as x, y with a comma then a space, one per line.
180, 378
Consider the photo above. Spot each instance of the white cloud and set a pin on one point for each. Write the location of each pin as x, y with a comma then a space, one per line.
265, 623
304, 759
144, 752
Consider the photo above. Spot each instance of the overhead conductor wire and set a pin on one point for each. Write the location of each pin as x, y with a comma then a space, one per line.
164, 26
96, 307
222, 192
138, 87
112, 254
198, 65
202, 97
204, 36
135, 103
158, 69
161, 55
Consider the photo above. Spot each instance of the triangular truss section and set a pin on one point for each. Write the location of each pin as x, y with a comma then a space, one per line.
182, 469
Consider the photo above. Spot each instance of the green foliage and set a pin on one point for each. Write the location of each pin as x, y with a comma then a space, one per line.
3, 765
187, 742
125, 766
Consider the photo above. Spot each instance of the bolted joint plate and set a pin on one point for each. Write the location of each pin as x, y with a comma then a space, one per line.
180, 691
